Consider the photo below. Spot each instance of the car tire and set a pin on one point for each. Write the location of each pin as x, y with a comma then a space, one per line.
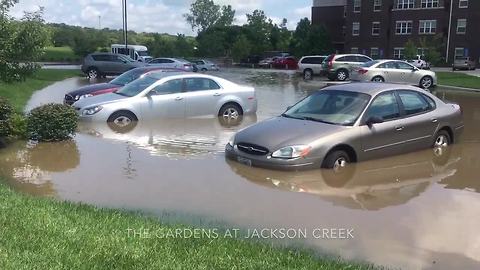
204, 70
426, 82
442, 139
378, 79
308, 74
342, 75
230, 112
122, 121
336, 160
93, 73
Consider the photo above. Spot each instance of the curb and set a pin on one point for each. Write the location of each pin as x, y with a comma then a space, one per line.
459, 88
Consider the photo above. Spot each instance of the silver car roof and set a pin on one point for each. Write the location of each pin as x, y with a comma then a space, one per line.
371, 88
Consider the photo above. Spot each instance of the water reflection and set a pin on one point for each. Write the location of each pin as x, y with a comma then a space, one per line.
172, 138
32, 165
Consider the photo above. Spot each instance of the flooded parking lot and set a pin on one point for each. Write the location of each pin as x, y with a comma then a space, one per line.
415, 211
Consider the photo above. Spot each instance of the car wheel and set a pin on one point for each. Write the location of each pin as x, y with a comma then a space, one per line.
230, 112
342, 75
204, 70
92, 73
308, 74
336, 160
378, 79
426, 82
442, 139
122, 122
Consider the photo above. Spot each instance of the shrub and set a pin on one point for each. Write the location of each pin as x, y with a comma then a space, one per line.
52, 122
6, 112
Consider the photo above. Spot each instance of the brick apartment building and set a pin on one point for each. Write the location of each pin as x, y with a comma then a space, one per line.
380, 28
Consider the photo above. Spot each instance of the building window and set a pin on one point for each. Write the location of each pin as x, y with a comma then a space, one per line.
357, 5
377, 5
403, 27
422, 51
398, 53
427, 27
461, 26
459, 53
405, 4
354, 50
429, 3
463, 4
375, 28
374, 53
356, 29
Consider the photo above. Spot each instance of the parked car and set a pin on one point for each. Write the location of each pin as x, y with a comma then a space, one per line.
338, 66
348, 123
177, 63
464, 63
288, 62
311, 65
267, 62
419, 63
205, 65
102, 64
394, 71
112, 86
170, 95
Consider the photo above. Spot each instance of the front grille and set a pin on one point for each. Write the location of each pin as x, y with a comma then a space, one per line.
252, 149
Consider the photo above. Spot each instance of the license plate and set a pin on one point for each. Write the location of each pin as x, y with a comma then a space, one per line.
244, 161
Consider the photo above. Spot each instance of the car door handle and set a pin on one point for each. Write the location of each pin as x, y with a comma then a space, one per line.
178, 98
217, 94
434, 120
399, 128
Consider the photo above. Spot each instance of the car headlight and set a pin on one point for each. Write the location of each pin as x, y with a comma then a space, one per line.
231, 142
92, 110
78, 97
294, 151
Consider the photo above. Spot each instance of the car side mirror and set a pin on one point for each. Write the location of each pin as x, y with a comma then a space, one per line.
373, 120
152, 92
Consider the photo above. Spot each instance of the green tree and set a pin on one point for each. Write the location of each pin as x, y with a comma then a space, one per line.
83, 44
310, 39
410, 50
205, 14
241, 48
259, 28
433, 47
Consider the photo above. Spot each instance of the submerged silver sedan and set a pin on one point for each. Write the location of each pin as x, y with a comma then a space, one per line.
170, 95
394, 71
348, 123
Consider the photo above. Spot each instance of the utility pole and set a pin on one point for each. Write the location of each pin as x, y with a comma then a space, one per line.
447, 55
125, 24
100, 22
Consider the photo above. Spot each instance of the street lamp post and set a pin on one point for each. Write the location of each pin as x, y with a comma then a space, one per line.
125, 29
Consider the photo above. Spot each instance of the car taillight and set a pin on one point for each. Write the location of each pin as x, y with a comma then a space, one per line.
362, 71
461, 110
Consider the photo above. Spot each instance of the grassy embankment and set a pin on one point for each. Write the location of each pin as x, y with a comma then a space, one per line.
458, 79
59, 54
42, 233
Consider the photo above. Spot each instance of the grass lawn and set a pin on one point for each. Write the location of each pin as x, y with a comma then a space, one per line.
458, 79
59, 54
20, 92
40, 233
43, 233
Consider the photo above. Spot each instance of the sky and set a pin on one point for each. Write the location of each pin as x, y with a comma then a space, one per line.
162, 16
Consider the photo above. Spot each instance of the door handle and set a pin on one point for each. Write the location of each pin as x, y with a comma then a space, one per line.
399, 128
434, 120
178, 98
217, 94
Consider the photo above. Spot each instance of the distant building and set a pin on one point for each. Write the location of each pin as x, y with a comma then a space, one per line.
331, 14
380, 28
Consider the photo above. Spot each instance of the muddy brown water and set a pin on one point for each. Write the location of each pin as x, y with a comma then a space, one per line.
415, 211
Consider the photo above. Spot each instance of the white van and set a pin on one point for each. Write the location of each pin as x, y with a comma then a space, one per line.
136, 52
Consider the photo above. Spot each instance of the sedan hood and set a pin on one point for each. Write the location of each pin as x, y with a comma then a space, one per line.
98, 100
92, 88
281, 131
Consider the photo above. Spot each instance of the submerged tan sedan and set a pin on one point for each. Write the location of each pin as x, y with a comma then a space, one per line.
394, 71
349, 123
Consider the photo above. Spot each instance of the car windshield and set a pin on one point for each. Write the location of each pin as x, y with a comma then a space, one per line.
370, 63
330, 106
136, 87
127, 77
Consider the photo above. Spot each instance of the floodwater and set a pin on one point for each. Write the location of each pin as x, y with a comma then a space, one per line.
415, 211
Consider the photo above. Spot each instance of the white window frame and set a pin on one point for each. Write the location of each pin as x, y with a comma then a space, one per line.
400, 54
404, 27
459, 49
377, 54
405, 4
357, 6
377, 5
356, 26
373, 27
354, 50
458, 26
463, 4
427, 27
429, 4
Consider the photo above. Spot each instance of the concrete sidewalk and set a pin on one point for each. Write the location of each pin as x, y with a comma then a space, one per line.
469, 72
